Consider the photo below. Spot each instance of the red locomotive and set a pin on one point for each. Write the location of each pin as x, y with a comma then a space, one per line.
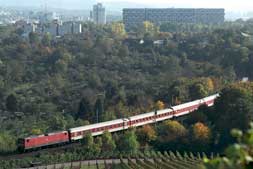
34, 142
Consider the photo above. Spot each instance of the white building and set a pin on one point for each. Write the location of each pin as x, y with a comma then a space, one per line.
98, 14
68, 28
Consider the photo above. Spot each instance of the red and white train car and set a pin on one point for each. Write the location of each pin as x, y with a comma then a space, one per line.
78, 133
98, 129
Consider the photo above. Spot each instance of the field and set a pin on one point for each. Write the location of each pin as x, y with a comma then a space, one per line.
151, 160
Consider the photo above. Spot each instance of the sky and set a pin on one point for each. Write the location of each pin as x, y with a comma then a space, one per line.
229, 5
235, 5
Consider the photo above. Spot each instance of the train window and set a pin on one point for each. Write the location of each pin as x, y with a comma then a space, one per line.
65, 134
27, 141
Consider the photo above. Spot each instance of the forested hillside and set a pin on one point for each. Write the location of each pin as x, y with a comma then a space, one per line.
51, 84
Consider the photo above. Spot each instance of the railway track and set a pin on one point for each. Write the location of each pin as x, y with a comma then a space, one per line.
58, 149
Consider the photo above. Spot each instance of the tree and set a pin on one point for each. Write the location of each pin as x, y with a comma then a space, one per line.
46, 40
108, 144
172, 136
198, 91
34, 38
99, 109
36, 131
238, 155
7, 143
234, 106
146, 135
201, 133
159, 105
129, 142
12, 103
149, 27
88, 142
118, 29
84, 110
210, 84
171, 131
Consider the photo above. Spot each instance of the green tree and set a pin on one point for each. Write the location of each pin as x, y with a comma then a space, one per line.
7, 143
99, 109
234, 106
108, 144
12, 103
129, 142
88, 142
238, 155
34, 38
198, 91
90, 147
46, 40
84, 110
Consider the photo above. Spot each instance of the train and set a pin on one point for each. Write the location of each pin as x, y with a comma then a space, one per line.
75, 134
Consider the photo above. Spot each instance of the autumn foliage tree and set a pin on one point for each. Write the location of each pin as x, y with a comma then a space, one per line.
118, 30
171, 135
170, 131
159, 105
201, 133
146, 135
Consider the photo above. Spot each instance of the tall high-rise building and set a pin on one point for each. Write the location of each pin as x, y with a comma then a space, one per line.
135, 16
98, 14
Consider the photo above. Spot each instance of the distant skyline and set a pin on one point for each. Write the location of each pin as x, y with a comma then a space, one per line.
229, 5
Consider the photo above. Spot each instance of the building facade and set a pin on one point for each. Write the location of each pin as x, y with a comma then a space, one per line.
135, 16
98, 14
55, 28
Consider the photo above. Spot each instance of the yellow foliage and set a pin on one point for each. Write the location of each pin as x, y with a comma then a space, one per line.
149, 133
172, 130
175, 127
201, 132
159, 105
210, 84
118, 29
149, 27
36, 132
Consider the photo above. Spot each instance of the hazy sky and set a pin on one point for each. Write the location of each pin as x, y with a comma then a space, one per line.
228, 4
